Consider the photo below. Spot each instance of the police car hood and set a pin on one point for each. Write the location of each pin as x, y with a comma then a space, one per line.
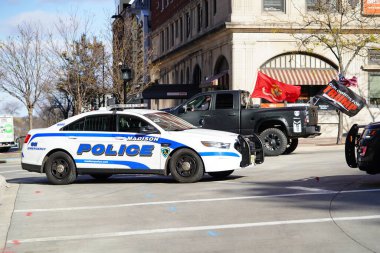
207, 133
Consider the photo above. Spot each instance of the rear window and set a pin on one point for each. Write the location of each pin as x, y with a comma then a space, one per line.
224, 101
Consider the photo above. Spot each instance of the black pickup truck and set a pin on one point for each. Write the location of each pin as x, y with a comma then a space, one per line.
233, 111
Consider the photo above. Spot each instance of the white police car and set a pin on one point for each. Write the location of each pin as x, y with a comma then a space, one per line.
134, 141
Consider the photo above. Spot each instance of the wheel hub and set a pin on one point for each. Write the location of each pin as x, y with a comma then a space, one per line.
60, 168
186, 166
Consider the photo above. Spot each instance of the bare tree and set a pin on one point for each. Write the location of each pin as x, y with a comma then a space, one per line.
25, 70
10, 107
79, 59
339, 27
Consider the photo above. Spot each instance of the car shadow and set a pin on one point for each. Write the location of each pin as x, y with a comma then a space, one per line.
116, 179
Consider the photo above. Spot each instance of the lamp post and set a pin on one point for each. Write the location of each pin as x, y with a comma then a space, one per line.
126, 75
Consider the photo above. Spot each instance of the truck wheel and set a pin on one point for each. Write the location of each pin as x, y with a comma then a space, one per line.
60, 169
274, 141
186, 166
221, 174
292, 145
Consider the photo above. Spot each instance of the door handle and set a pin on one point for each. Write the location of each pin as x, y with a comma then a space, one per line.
232, 114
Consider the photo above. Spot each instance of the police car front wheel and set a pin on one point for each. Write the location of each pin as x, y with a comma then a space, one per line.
60, 169
186, 166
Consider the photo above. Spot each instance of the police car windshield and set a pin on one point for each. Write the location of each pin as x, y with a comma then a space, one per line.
169, 122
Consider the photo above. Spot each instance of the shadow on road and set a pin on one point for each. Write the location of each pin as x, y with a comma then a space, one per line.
116, 179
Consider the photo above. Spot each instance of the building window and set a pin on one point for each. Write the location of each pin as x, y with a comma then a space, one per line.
374, 88
172, 34
206, 13
176, 28
188, 25
327, 5
162, 41
181, 29
199, 17
374, 57
274, 5
167, 38
214, 7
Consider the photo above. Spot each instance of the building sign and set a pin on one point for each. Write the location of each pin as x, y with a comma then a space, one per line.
371, 7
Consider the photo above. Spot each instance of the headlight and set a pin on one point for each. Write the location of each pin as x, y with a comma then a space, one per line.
214, 144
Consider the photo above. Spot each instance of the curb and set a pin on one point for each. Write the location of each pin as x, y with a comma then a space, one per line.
3, 186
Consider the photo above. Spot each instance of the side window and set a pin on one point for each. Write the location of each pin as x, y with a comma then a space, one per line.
224, 101
130, 124
201, 103
75, 126
101, 123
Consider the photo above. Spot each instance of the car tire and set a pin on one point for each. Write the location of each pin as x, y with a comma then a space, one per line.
60, 169
101, 176
292, 145
186, 166
274, 141
221, 174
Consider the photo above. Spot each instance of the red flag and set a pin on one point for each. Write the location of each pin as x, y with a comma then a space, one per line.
275, 91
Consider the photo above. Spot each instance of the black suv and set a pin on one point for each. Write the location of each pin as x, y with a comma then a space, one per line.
363, 150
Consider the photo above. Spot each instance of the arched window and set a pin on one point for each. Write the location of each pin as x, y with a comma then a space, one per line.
197, 75
221, 71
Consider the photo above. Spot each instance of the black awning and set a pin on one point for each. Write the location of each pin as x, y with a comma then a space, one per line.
170, 91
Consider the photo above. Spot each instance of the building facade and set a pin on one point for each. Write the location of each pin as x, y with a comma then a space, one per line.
221, 44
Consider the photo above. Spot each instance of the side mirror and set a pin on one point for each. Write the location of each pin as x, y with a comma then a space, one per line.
149, 129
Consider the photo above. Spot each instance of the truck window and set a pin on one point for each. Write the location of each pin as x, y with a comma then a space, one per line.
224, 101
201, 103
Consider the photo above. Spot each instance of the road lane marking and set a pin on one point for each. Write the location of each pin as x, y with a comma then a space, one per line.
191, 201
306, 189
191, 229
10, 171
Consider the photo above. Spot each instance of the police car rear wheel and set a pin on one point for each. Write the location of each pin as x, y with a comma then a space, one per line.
221, 174
186, 166
60, 169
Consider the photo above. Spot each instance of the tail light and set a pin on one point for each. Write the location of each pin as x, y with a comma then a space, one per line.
27, 138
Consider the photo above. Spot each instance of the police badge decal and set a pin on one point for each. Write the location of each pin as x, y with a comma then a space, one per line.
165, 152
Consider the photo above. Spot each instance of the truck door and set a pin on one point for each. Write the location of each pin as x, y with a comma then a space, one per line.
196, 109
224, 115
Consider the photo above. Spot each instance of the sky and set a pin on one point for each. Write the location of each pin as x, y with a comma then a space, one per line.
15, 12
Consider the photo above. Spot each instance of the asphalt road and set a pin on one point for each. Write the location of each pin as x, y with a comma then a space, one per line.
309, 201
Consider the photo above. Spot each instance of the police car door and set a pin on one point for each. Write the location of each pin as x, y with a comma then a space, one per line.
140, 139
94, 145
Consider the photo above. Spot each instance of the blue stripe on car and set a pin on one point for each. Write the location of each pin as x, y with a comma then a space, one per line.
132, 165
218, 154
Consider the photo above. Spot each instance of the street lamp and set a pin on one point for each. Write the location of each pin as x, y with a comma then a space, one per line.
126, 75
